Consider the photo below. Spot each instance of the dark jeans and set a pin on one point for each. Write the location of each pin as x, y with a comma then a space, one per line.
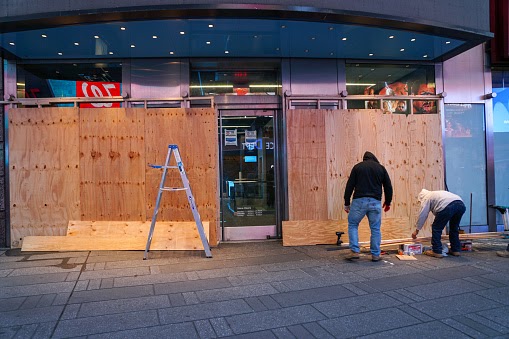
452, 214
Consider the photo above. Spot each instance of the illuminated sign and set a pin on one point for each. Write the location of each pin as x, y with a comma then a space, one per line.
89, 89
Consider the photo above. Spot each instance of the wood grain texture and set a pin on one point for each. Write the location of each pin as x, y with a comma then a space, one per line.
322, 232
195, 132
91, 164
112, 163
307, 168
43, 171
120, 236
409, 147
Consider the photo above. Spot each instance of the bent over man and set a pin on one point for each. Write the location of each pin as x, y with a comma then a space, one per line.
365, 182
447, 208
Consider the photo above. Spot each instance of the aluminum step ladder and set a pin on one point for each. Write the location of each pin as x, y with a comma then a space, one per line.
173, 149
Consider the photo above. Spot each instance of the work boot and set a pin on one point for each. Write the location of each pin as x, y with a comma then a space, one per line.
375, 258
454, 254
352, 256
433, 254
503, 254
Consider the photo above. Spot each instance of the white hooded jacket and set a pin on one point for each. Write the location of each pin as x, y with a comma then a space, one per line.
434, 202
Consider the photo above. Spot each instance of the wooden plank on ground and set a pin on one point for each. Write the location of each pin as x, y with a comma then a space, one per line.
120, 236
318, 232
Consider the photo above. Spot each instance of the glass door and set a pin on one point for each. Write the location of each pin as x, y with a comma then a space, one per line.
248, 185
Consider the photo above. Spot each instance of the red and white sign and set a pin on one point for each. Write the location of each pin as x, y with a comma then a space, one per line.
89, 89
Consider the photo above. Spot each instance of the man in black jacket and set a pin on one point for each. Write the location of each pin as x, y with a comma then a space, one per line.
365, 182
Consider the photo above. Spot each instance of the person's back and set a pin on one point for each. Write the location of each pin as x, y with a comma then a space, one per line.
366, 181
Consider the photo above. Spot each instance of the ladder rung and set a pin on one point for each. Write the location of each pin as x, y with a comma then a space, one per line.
173, 189
162, 166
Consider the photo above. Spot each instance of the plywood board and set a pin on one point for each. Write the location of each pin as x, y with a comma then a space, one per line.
43, 171
307, 166
408, 146
112, 163
319, 232
195, 133
119, 236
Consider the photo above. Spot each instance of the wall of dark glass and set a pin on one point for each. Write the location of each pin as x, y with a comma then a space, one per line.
55, 80
501, 138
465, 159
235, 78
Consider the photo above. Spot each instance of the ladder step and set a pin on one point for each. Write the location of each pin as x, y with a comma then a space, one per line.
173, 189
162, 166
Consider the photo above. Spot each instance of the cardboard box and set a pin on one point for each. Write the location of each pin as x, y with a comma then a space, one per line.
410, 249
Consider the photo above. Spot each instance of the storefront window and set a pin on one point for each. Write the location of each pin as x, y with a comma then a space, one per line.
392, 80
501, 140
60, 80
234, 79
465, 158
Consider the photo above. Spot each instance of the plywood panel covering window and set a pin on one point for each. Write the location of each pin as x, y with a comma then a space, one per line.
332, 142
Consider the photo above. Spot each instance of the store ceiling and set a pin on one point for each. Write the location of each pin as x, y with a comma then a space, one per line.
230, 38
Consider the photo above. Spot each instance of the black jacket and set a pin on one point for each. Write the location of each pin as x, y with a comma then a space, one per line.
366, 181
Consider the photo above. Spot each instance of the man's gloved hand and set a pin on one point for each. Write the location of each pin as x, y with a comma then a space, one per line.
347, 209
386, 207
414, 234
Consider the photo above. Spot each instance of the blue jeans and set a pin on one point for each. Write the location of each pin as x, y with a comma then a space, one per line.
451, 214
359, 208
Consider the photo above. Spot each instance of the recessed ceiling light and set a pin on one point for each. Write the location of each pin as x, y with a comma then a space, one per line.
313, 38
425, 56
391, 37
182, 32
172, 52
256, 36
413, 39
370, 54
44, 35
331, 53
110, 53
60, 53
277, 48
331, 28
344, 39
283, 26
208, 42
226, 52
76, 44
96, 36
389, 75
11, 43
372, 69
447, 42
154, 36
402, 50
122, 28
211, 26
132, 46
306, 50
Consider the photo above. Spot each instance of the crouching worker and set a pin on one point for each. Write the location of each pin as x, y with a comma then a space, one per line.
447, 208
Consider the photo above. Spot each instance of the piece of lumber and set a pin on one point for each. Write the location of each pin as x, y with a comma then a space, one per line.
120, 236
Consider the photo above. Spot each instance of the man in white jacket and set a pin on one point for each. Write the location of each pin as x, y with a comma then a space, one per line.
447, 208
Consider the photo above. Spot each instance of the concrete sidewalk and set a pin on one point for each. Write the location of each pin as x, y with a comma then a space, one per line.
254, 290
